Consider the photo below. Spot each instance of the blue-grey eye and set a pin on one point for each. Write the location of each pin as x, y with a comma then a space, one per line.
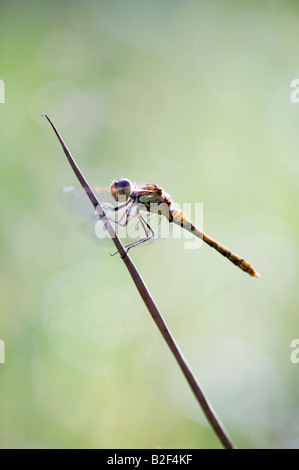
124, 184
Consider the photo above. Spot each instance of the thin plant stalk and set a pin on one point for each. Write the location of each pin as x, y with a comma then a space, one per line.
207, 408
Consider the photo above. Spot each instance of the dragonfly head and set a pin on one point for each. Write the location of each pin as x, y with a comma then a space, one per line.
121, 189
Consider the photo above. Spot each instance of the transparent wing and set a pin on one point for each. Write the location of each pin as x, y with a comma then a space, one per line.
75, 200
133, 224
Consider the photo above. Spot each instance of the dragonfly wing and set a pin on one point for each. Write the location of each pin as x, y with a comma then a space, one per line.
130, 227
76, 200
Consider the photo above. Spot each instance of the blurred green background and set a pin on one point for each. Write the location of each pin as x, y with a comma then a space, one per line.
195, 97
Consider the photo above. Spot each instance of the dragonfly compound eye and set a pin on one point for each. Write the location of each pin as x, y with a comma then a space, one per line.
121, 188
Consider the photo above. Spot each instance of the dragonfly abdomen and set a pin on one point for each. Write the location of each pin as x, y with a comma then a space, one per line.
180, 219
233, 257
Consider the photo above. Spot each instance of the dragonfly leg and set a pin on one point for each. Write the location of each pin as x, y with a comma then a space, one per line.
107, 207
115, 209
149, 233
126, 214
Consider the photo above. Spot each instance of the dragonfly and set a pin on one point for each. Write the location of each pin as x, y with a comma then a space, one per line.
155, 212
